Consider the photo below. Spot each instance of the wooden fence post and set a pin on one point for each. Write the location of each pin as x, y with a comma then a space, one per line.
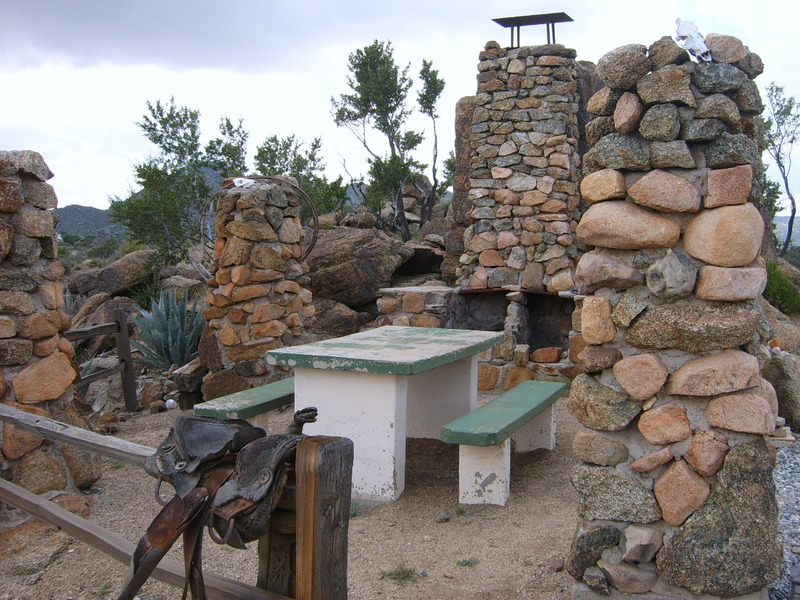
324, 468
124, 355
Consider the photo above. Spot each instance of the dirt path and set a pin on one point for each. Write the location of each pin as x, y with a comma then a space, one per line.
506, 552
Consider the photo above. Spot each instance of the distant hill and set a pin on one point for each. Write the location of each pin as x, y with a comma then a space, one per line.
781, 225
87, 220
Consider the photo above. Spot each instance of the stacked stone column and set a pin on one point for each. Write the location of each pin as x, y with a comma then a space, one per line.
675, 482
36, 370
257, 300
522, 182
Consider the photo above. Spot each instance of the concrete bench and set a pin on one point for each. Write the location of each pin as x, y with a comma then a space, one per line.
252, 404
484, 438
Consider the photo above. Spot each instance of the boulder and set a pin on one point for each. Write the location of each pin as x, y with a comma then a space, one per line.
24, 161
729, 186
719, 106
620, 151
783, 372
701, 130
745, 412
725, 48
628, 113
784, 331
336, 319
731, 150
728, 236
664, 425
626, 226
596, 324
672, 276
666, 192
605, 268
606, 184
694, 329
680, 491
641, 375
665, 51
660, 123
608, 494
603, 102
714, 374
595, 448
730, 285
114, 279
668, 84
350, 265
599, 407
669, 155
728, 547
105, 313
620, 69
587, 546
714, 78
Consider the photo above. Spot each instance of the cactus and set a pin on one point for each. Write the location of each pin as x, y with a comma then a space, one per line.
169, 332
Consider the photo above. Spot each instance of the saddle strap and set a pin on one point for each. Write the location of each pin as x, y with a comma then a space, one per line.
173, 519
193, 535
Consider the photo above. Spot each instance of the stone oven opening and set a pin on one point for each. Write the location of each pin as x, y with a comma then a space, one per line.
549, 321
540, 320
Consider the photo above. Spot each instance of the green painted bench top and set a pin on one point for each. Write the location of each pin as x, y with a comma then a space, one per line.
249, 403
388, 350
495, 421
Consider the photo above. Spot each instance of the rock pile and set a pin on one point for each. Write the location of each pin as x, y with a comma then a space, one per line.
256, 295
523, 172
675, 484
36, 370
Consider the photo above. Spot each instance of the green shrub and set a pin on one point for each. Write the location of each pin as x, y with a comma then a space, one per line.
780, 292
169, 332
143, 294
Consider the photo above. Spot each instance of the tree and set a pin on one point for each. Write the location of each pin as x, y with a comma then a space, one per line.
432, 87
771, 194
782, 130
378, 101
176, 183
287, 156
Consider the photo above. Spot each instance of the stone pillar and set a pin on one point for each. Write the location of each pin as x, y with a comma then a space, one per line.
36, 370
675, 482
523, 172
257, 299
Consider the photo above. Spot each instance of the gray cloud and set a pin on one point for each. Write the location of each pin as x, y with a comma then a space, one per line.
242, 35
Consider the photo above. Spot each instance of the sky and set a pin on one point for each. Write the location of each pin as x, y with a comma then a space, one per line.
76, 75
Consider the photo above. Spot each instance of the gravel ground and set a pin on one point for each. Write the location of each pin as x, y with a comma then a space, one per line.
451, 552
787, 476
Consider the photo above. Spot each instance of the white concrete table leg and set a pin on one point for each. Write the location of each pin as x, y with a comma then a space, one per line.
539, 432
369, 409
484, 474
440, 395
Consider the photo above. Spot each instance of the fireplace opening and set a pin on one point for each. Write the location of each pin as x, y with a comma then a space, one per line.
538, 320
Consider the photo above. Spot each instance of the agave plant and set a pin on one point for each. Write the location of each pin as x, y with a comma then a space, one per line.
169, 332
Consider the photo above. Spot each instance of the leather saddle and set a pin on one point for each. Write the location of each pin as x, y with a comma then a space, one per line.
228, 475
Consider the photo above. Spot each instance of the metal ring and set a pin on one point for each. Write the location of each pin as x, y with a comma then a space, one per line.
159, 499
221, 540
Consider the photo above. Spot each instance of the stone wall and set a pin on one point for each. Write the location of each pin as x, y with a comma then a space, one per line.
36, 370
675, 481
256, 295
523, 172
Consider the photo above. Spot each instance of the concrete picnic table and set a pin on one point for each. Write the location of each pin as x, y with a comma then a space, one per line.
380, 386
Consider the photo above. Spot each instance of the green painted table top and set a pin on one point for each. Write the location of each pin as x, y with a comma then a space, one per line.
388, 350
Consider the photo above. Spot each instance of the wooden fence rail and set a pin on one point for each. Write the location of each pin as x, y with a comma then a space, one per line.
125, 366
311, 566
